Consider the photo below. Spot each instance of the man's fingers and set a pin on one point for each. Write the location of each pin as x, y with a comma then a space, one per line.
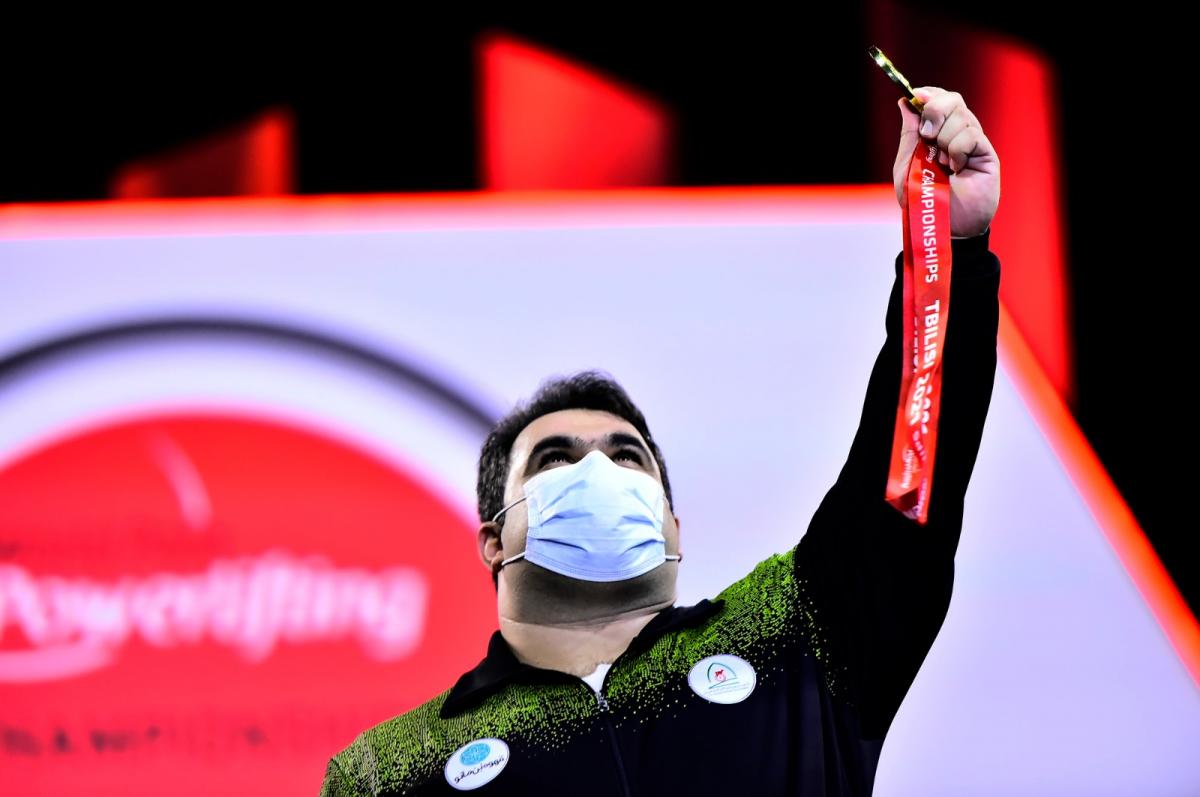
959, 120
947, 119
944, 118
940, 105
970, 141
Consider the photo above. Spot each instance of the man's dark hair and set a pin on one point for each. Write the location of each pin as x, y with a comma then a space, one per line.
586, 390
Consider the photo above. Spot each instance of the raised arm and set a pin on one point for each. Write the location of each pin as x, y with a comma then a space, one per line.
879, 582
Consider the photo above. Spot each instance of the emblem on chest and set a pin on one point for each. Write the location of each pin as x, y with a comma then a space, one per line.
476, 763
723, 679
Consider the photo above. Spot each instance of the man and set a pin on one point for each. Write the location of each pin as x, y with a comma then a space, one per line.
785, 684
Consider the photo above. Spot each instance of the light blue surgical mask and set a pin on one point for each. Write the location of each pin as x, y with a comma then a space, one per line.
594, 520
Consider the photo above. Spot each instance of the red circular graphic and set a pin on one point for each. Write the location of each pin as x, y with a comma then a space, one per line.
205, 603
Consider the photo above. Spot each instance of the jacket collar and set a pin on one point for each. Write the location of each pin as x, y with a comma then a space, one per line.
501, 665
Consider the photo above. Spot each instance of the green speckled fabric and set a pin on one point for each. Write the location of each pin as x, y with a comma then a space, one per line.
763, 614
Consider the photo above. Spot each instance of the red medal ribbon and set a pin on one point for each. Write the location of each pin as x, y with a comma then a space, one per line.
927, 307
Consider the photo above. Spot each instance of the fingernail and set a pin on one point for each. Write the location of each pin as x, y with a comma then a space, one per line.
927, 128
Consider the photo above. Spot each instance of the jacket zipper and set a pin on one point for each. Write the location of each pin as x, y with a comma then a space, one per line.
606, 712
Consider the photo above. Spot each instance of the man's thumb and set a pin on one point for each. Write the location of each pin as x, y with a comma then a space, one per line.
909, 119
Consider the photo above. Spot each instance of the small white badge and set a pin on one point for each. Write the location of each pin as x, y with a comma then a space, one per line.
723, 679
476, 763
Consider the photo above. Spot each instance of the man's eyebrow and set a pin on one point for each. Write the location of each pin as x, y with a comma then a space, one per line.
563, 441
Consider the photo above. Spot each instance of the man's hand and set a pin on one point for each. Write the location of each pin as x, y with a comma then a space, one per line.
965, 151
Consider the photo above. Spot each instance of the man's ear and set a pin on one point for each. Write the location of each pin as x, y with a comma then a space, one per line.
678, 526
491, 548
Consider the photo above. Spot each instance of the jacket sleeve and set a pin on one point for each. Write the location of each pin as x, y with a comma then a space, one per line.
879, 582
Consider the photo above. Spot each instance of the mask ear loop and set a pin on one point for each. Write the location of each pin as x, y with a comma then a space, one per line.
510, 560
495, 519
496, 516
678, 557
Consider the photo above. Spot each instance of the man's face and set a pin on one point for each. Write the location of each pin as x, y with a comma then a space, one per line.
553, 441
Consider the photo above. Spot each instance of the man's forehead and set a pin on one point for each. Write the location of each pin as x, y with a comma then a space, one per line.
572, 423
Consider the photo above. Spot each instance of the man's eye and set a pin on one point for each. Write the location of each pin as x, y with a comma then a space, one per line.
627, 453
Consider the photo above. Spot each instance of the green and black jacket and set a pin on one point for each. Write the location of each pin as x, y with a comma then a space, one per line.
834, 630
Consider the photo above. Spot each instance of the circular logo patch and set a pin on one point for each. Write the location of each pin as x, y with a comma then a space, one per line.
476, 763
723, 679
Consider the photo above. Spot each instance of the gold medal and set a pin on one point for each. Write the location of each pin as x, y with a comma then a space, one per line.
897, 78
